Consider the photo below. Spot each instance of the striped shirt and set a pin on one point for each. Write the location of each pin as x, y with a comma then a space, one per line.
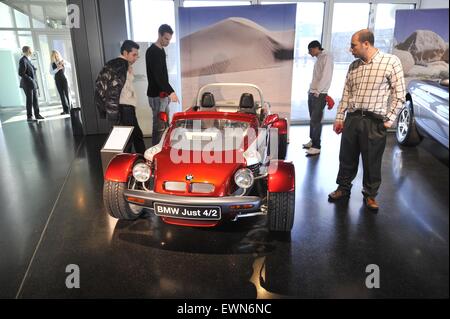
377, 86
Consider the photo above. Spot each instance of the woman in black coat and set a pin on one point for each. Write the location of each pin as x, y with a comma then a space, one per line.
57, 68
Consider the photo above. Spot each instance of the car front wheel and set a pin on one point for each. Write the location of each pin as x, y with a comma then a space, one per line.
281, 210
115, 203
406, 133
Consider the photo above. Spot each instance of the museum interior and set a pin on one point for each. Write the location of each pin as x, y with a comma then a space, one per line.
293, 149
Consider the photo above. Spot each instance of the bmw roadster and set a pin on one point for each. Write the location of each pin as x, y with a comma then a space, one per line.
216, 162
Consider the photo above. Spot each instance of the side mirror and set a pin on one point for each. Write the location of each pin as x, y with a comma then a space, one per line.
270, 119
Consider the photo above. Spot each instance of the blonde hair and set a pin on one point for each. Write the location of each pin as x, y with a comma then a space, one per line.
54, 55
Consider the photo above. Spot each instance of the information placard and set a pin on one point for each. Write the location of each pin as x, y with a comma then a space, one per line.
118, 138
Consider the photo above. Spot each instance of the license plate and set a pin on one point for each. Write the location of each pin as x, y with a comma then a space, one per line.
188, 212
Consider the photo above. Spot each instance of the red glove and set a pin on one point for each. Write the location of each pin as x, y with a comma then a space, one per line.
338, 127
330, 102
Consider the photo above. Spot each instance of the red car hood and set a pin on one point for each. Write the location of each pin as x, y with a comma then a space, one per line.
221, 175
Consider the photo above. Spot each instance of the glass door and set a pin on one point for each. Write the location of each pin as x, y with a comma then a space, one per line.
62, 43
308, 27
342, 30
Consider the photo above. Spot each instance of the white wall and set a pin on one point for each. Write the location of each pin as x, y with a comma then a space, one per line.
429, 4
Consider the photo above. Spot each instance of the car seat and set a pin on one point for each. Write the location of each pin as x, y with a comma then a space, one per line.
247, 103
207, 100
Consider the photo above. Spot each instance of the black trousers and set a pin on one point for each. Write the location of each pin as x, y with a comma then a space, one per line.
365, 136
32, 102
128, 118
316, 106
63, 90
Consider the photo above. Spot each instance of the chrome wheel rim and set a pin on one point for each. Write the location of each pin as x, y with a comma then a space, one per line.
403, 124
136, 209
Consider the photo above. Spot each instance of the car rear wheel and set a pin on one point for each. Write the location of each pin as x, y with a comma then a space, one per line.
115, 203
406, 132
282, 146
281, 210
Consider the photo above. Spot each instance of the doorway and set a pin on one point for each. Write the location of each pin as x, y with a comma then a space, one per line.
60, 41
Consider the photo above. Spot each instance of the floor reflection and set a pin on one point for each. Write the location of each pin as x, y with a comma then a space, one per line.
325, 256
248, 236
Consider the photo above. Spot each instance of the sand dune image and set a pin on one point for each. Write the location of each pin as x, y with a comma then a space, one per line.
234, 45
238, 49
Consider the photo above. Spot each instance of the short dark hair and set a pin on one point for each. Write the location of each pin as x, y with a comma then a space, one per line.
315, 44
25, 49
366, 35
128, 46
165, 28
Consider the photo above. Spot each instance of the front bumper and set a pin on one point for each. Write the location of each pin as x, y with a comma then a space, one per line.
148, 199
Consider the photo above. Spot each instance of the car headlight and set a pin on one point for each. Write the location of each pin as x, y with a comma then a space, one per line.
244, 178
141, 172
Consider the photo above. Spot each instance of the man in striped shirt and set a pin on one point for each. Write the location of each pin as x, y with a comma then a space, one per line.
373, 95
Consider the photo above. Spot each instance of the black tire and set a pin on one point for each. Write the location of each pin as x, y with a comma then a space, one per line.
281, 211
282, 146
406, 131
115, 203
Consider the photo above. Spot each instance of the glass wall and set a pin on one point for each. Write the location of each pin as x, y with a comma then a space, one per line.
341, 33
378, 17
309, 27
42, 26
146, 17
202, 3
6, 19
328, 21
385, 23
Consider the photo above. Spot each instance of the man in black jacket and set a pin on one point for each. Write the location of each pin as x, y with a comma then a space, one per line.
115, 96
159, 90
28, 83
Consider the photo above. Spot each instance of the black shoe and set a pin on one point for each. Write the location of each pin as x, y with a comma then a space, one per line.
40, 117
371, 203
64, 113
30, 119
338, 194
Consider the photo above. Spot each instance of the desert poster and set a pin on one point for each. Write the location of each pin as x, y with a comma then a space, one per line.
246, 44
421, 43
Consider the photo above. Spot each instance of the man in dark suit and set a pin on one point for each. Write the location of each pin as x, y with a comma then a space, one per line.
28, 83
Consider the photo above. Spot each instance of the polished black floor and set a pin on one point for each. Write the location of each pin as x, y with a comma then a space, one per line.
51, 215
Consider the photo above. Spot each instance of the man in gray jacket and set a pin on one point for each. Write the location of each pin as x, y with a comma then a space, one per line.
320, 84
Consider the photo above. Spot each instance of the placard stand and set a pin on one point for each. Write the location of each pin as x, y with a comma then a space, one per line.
115, 144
